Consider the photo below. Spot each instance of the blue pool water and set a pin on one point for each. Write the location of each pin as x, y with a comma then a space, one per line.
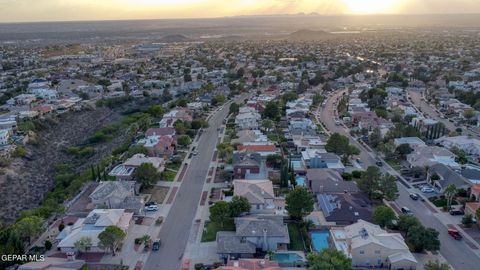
300, 180
320, 240
286, 257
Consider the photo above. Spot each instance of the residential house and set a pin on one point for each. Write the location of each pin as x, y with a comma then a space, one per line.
117, 195
5, 136
174, 115
314, 158
369, 246
125, 171
250, 136
471, 174
91, 226
413, 142
247, 118
429, 155
260, 195
447, 177
159, 145
328, 181
53, 263
250, 264
469, 145
263, 149
263, 232
344, 208
431, 129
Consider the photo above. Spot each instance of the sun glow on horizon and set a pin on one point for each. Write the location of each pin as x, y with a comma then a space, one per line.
371, 6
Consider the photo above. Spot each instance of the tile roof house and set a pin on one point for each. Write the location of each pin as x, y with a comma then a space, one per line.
91, 226
168, 131
328, 181
447, 177
369, 246
429, 155
158, 145
250, 264
174, 115
117, 195
125, 171
470, 145
260, 195
264, 232
344, 208
313, 158
263, 149
248, 120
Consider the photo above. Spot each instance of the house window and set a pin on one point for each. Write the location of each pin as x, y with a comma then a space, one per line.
377, 251
362, 252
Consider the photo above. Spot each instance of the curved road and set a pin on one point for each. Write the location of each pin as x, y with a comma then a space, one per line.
457, 253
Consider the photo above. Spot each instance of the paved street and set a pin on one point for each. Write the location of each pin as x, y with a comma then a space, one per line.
457, 253
175, 231
430, 112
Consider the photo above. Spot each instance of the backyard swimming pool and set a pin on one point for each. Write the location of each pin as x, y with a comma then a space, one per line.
320, 240
287, 257
300, 180
296, 164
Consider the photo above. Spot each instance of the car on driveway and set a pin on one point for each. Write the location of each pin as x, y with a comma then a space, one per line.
151, 208
414, 196
428, 190
406, 211
456, 212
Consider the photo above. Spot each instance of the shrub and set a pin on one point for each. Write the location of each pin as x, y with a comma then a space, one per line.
138, 241
61, 227
357, 174
198, 266
48, 245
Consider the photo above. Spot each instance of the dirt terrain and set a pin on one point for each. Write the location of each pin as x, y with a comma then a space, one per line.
26, 181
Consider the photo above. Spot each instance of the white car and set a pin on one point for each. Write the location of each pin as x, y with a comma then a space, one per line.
153, 207
428, 190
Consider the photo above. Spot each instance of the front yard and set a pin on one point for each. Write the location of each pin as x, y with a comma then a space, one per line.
211, 229
158, 193
170, 171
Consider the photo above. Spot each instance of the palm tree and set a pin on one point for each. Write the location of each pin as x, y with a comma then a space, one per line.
449, 192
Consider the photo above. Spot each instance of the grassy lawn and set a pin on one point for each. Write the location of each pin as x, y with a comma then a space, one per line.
211, 229
394, 164
296, 240
168, 175
158, 193
441, 202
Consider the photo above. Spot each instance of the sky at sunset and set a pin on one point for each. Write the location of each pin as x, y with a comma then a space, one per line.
72, 10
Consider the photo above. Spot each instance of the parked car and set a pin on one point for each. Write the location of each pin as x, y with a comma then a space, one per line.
428, 189
150, 203
455, 234
379, 163
456, 212
151, 208
406, 211
414, 196
156, 245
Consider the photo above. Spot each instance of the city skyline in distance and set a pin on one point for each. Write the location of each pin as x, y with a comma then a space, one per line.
12, 11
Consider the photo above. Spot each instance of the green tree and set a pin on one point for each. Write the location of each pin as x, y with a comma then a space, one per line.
268, 124
403, 150
234, 108
184, 140
146, 175
375, 138
467, 220
383, 216
329, 259
274, 160
29, 227
423, 238
156, 111
337, 144
220, 212
111, 238
238, 205
271, 110
83, 244
436, 265
406, 221
225, 150
388, 149
299, 203
449, 193
388, 185
369, 182
469, 114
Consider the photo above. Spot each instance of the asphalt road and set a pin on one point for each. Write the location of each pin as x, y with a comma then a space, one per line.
176, 228
430, 112
457, 253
